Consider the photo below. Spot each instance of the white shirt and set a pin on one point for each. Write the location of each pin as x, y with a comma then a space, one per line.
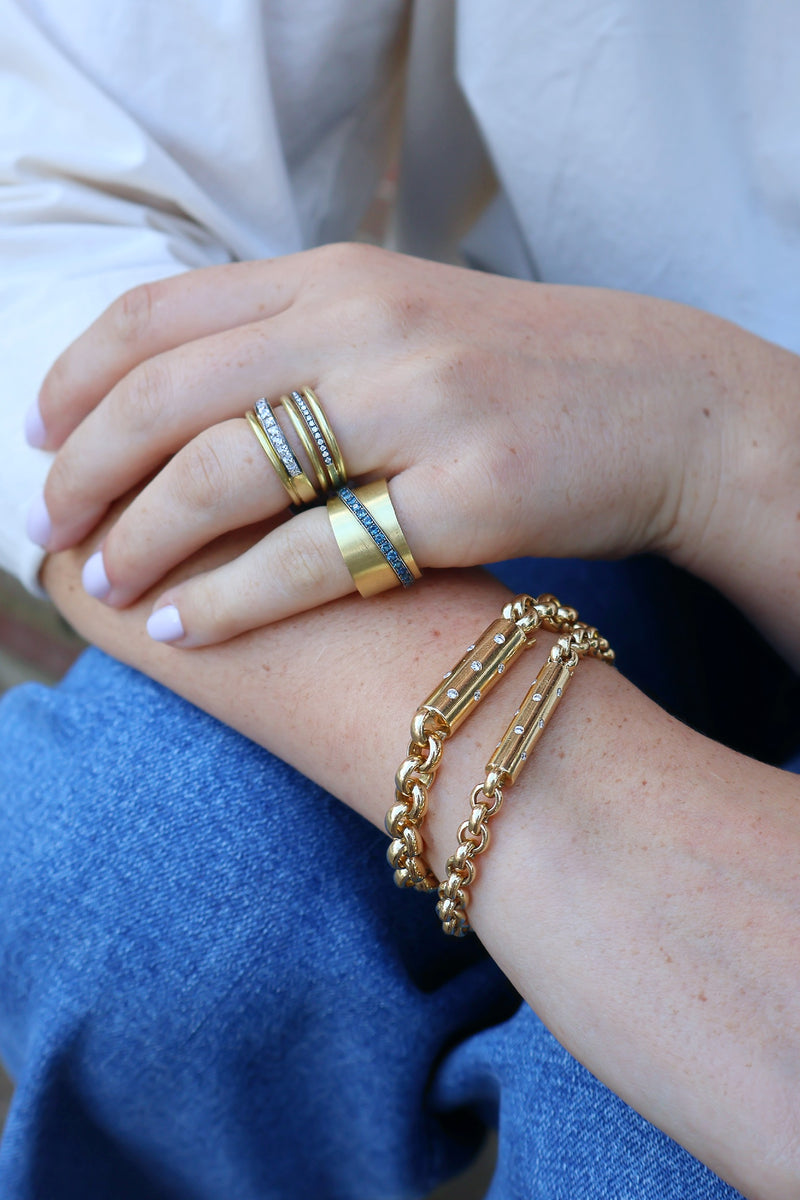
649, 145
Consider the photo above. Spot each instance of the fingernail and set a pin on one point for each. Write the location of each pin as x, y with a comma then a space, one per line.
165, 624
38, 525
95, 580
35, 432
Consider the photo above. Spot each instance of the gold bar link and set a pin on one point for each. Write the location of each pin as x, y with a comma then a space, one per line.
477, 673
530, 721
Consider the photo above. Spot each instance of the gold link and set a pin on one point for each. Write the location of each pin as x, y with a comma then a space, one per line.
405, 776
412, 840
395, 820
419, 803
463, 854
476, 818
429, 884
450, 888
402, 878
396, 853
417, 869
419, 730
530, 721
476, 674
434, 756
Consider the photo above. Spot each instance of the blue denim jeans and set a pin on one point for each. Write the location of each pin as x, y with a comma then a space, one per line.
211, 990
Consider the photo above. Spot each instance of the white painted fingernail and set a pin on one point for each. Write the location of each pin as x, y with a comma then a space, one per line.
95, 580
165, 624
35, 432
38, 526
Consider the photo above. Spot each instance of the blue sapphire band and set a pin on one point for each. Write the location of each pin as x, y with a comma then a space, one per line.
348, 496
371, 541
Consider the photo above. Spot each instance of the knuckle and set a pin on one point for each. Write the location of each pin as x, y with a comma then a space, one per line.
145, 395
56, 387
64, 489
344, 260
302, 564
133, 314
121, 558
200, 474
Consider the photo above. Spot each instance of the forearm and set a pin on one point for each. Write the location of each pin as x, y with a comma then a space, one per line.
646, 904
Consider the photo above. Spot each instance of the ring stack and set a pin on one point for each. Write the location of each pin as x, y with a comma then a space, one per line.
370, 539
316, 437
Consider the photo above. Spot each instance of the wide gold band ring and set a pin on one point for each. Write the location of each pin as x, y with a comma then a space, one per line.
370, 539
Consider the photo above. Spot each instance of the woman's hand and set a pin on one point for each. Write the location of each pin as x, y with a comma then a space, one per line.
510, 418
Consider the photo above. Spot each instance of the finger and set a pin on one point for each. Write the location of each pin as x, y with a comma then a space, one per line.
162, 405
153, 318
296, 567
221, 481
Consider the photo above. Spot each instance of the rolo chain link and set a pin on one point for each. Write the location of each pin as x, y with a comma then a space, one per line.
414, 776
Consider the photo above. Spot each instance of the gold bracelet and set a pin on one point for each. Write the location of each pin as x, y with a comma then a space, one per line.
576, 640
437, 719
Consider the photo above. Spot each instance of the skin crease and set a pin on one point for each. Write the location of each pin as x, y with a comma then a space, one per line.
650, 915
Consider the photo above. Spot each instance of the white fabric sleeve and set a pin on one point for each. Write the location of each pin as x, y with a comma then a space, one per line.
102, 188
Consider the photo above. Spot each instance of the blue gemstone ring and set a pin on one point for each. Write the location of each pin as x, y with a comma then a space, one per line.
370, 538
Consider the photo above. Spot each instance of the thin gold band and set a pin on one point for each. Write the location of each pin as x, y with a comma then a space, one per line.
299, 487
312, 428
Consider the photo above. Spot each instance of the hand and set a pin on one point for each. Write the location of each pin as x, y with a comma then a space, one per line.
510, 419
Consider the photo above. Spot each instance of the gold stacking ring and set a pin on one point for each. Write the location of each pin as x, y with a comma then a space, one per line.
319, 442
370, 539
316, 437
272, 440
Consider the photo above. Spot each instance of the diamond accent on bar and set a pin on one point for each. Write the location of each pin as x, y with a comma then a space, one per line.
519, 729
384, 544
269, 423
452, 693
536, 696
498, 637
477, 666
477, 696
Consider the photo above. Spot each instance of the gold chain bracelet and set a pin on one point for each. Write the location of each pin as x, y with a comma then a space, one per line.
577, 640
438, 718
450, 704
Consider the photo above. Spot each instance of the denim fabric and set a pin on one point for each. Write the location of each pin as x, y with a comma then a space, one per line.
211, 990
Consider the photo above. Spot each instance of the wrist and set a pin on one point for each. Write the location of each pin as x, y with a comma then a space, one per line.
736, 522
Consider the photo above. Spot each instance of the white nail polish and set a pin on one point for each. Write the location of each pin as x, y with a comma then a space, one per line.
165, 625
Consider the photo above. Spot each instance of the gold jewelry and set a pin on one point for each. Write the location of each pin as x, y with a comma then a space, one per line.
577, 640
272, 440
370, 539
311, 426
438, 718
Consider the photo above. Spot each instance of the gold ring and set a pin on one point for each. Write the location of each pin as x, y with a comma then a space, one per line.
370, 539
272, 440
319, 442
